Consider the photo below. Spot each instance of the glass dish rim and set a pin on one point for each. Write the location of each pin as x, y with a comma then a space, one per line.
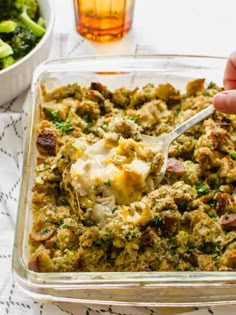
162, 278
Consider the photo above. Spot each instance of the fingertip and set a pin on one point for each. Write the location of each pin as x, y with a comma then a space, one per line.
219, 101
230, 72
229, 84
225, 102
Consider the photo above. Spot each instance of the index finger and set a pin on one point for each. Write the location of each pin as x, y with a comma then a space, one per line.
230, 73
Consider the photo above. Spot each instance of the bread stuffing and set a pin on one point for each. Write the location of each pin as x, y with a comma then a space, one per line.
96, 203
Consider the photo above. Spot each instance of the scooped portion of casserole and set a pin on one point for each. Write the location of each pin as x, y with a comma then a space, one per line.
96, 203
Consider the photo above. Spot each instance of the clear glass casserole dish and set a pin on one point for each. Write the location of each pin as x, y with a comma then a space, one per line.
127, 288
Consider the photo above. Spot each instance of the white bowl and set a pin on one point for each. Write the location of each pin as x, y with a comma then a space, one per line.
17, 78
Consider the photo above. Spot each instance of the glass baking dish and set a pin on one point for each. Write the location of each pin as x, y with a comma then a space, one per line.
124, 288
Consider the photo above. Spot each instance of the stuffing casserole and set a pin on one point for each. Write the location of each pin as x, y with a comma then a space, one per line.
96, 205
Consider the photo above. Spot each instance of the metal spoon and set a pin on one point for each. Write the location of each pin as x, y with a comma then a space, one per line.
164, 141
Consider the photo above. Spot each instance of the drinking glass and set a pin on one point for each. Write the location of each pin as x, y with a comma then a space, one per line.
103, 20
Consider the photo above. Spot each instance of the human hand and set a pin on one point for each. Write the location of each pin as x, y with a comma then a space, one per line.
226, 101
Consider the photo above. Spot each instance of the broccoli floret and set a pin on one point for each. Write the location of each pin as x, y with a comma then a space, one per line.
21, 27
7, 26
30, 5
5, 5
37, 29
7, 10
22, 41
6, 62
5, 49
41, 22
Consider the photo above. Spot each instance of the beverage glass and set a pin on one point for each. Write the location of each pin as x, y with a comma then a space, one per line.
103, 20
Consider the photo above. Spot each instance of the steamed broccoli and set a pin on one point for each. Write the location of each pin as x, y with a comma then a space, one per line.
7, 11
30, 5
21, 27
22, 41
5, 49
7, 26
6, 62
5, 6
37, 29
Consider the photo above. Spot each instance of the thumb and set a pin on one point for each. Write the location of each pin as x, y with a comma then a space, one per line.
225, 102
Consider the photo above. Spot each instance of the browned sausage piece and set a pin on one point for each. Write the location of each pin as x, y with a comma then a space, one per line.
43, 234
175, 166
46, 142
228, 221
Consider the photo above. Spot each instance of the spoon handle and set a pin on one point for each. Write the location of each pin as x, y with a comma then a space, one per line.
179, 130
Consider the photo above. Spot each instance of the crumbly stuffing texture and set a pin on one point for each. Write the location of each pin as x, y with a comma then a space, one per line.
96, 205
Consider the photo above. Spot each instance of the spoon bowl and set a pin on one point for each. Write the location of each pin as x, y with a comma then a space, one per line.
163, 142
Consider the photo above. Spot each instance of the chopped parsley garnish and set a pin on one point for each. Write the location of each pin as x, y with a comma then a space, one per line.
99, 242
201, 189
212, 203
173, 248
64, 126
45, 230
89, 123
66, 226
212, 182
213, 215
191, 250
233, 155
108, 183
86, 119
62, 201
53, 115
114, 209
211, 85
104, 126
176, 113
156, 220
217, 249
134, 118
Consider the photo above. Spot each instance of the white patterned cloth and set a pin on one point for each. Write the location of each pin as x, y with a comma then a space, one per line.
66, 44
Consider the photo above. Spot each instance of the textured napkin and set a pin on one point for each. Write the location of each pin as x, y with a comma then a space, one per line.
12, 126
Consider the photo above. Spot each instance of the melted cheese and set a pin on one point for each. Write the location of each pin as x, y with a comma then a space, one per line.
98, 170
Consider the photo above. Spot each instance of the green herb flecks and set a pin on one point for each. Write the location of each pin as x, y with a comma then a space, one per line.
211, 85
212, 181
176, 113
114, 209
191, 250
89, 124
66, 226
62, 201
53, 115
213, 215
100, 242
108, 183
233, 155
45, 230
157, 219
64, 126
201, 189
133, 118
104, 127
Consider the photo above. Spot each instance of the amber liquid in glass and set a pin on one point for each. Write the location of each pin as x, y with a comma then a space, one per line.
103, 20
